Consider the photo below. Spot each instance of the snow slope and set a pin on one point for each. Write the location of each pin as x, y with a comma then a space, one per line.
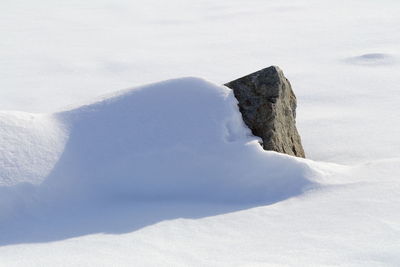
178, 140
182, 138
177, 149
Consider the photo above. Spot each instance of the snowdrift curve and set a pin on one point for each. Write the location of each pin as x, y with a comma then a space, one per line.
181, 139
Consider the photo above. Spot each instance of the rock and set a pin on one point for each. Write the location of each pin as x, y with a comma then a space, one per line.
268, 106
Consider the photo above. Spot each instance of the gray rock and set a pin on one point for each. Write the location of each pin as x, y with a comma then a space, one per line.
268, 106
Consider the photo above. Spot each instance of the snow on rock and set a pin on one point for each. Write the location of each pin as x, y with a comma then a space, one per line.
181, 139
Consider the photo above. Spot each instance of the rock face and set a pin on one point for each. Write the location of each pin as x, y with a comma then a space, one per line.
268, 106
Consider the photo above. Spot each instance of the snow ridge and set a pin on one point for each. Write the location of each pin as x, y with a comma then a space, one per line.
180, 139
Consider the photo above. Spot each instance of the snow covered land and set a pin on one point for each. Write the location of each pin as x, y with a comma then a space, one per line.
166, 173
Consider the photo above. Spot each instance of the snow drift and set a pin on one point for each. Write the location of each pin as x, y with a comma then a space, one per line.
181, 139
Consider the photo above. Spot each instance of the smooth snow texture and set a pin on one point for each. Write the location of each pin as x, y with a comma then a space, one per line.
356, 224
372, 59
56, 53
178, 140
342, 58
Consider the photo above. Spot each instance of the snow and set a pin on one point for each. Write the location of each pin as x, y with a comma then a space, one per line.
166, 173
156, 143
30, 146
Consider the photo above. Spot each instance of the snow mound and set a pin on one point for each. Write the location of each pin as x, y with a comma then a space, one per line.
372, 59
181, 139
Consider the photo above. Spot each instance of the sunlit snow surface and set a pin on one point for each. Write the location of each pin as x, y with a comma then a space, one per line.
178, 140
166, 174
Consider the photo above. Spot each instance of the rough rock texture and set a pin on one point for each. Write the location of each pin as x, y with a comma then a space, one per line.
268, 106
